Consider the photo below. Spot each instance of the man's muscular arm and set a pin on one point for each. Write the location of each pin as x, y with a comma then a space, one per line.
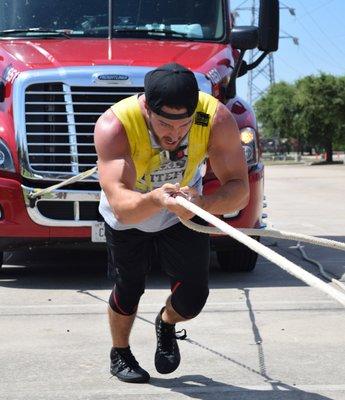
117, 174
228, 164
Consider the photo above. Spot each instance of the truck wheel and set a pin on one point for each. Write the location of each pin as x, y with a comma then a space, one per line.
238, 259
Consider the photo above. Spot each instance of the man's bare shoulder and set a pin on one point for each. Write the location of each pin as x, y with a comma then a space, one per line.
108, 125
110, 136
224, 126
222, 116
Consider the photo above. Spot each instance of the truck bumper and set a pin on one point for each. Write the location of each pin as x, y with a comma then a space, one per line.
18, 229
22, 224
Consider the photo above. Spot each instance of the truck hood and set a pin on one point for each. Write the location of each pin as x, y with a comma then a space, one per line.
54, 53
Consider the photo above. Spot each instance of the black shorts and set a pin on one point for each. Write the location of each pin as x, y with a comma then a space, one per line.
182, 253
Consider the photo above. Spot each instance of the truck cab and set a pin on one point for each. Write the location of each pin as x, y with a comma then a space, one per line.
63, 63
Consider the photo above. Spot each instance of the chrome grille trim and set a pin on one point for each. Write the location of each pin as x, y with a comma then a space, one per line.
55, 134
76, 211
55, 154
59, 144
64, 102
76, 196
59, 113
69, 92
62, 165
60, 154
59, 124
72, 131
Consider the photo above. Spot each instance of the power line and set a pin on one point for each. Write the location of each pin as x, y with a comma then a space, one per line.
317, 8
321, 30
317, 55
330, 55
308, 58
335, 16
288, 64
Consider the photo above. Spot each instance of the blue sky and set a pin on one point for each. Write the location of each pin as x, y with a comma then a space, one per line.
319, 26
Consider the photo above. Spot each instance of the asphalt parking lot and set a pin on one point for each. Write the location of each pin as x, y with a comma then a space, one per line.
262, 335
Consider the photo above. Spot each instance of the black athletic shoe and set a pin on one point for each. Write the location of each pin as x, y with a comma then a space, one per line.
125, 367
167, 357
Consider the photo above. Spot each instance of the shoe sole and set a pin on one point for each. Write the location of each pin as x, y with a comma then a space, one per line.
133, 380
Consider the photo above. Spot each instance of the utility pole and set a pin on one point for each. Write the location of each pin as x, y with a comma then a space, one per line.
260, 79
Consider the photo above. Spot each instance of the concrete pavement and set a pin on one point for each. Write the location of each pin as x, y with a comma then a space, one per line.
263, 335
307, 199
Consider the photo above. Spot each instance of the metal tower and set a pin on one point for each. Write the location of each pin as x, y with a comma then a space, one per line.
260, 79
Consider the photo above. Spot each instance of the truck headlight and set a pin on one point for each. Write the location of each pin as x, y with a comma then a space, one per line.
248, 139
6, 161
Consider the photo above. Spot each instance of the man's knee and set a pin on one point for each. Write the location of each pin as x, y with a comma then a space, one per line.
124, 300
189, 299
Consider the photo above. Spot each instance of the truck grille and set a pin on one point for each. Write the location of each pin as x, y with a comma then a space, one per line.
60, 120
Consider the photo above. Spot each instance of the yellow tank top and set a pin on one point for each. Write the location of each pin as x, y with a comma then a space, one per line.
147, 159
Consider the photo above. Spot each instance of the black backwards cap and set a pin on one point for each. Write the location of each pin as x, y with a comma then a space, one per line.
174, 86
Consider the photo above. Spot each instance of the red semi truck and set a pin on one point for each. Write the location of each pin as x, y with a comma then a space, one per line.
63, 63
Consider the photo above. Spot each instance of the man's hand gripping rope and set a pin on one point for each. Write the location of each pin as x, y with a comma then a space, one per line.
167, 195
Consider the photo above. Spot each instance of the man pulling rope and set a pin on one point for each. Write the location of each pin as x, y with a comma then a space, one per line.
142, 144
149, 136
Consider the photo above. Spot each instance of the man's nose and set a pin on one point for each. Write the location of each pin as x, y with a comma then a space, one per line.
174, 132
178, 131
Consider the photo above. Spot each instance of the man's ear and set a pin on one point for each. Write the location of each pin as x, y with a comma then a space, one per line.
146, 106
148, 110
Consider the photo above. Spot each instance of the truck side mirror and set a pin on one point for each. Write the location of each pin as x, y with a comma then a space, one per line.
268, 25
244, 37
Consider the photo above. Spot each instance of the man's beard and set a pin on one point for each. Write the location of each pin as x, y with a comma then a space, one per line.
167, 138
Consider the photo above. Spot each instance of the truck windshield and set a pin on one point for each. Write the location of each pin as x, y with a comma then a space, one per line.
178, 19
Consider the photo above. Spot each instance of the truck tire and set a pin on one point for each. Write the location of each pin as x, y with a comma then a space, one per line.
1, 258
238, 259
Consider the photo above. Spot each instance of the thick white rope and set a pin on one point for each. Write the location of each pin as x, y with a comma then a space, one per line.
273, 233
272, 256
40, 192
243, 238
322, 271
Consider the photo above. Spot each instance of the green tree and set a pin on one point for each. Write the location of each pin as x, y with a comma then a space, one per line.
321, 110
340, 137
312, 110
276, 111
